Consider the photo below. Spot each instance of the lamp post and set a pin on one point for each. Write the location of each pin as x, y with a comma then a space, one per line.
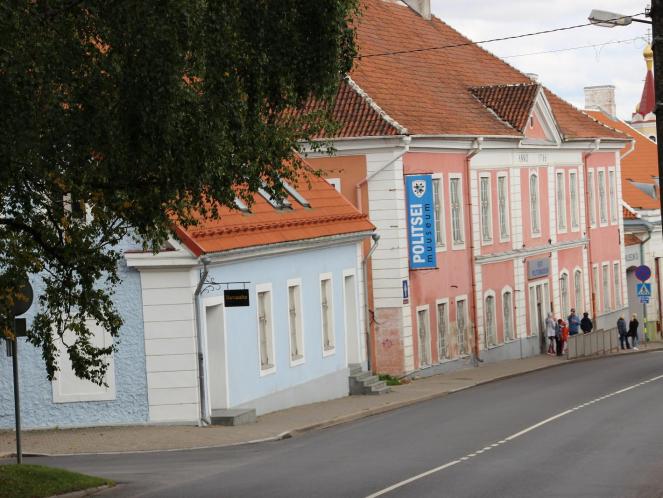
655, 13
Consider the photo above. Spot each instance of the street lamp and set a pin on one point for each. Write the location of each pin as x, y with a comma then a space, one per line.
607, 19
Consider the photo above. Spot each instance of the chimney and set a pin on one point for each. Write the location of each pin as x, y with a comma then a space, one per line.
421, 7
532, 76
601, 98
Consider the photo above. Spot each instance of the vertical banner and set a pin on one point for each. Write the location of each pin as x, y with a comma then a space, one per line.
420, 221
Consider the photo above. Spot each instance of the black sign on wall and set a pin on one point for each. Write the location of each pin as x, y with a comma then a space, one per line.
236, 297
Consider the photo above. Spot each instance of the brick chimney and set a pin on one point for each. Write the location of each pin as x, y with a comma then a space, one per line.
421, 7
601, 98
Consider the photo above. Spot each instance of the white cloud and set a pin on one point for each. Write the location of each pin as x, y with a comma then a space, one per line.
565, 73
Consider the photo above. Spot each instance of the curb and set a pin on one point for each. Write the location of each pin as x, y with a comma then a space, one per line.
83, 492
351, 417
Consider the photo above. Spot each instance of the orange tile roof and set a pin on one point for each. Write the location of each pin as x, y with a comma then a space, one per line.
627, 214
631, 240
641, 165
428, 92
329, 214
512, 103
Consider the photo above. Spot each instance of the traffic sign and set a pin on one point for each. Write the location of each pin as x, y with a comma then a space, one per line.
644, 300
643, 290
642, 273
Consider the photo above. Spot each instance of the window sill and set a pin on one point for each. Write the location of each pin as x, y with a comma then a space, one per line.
268, 370
298, 360
328, 352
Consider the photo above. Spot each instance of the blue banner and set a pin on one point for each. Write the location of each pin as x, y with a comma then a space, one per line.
420, 221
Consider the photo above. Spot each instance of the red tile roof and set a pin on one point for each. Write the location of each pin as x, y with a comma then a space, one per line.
428, 91
640, 166
631, 240
511, 103
627, 214
329, 214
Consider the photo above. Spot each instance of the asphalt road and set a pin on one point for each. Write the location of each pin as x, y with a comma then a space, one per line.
588, 429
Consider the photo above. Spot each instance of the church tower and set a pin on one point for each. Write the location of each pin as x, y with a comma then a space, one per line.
644, 119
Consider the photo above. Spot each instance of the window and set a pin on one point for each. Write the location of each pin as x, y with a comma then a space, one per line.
534, 203
595, 285
561, 201
613, 197
265, 328
438, 198
590, 191
564, 293
491, 339
618, 285
603, 207
295, 322
486, 215
606, 287
455, 195
423, 324
326, 311
461, 315
577, 287
442, 329
507, 310
503, 207
573, 192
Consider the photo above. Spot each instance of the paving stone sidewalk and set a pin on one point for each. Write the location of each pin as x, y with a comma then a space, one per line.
274, 425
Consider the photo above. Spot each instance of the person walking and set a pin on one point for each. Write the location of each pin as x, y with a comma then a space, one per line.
633, 331
623, 332
559, 336
573, 322
586, 324
550, 332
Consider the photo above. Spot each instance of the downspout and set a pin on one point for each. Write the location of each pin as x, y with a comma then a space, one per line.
657, 268
476, 148
642, 262
406, 147
621, 158
597, 143
367, 320
199, 344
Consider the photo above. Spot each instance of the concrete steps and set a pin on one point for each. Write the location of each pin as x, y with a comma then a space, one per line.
365, 383
241, 416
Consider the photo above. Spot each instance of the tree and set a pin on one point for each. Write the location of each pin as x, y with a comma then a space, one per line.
120, 117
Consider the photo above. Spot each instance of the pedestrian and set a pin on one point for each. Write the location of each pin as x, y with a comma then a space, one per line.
559, 336
586, 324
633, 331
623, 332
573, 322
550, 333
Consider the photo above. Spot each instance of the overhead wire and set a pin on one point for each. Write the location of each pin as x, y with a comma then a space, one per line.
595, 45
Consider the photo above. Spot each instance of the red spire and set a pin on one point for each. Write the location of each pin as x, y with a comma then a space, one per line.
647, 100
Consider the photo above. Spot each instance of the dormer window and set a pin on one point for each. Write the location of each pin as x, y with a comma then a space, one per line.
531, 121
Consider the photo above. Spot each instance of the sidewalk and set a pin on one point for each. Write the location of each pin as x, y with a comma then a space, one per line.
275, 425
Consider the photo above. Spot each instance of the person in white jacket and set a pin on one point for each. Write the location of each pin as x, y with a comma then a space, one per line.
550, 333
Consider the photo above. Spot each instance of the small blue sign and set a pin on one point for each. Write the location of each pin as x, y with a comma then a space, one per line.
420, 221
406, 290
642, 273
538, 268
643, 290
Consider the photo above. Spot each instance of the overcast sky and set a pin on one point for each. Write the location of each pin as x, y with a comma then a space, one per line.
566, 73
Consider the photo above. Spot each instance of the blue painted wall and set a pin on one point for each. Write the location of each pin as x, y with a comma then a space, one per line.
245, 383
37, 407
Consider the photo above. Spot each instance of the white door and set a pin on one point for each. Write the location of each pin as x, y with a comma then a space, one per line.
216, 357
351, 328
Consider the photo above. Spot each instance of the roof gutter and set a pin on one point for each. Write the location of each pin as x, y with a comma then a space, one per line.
621, 158
476, 148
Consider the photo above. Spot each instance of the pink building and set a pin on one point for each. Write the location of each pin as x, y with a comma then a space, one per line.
525, 206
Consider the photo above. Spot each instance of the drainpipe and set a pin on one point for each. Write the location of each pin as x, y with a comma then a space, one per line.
367, 320
658, 289
645, 325
406, 147
199, 344
621, 158
476, 148
597, 143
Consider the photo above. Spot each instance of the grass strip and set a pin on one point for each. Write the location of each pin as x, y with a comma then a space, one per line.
36, 481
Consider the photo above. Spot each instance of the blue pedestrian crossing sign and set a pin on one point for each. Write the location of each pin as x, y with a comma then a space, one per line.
644, 292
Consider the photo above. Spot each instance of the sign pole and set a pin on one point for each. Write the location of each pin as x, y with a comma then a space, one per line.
17, 401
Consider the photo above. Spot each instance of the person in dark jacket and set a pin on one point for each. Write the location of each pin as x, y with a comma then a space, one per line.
623, 332
633, 330
586, 324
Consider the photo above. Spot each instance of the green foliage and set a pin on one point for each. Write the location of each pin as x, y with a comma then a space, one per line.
390, 380
35, 481
119, 117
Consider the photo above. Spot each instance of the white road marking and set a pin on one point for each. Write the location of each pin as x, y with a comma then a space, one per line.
507, 439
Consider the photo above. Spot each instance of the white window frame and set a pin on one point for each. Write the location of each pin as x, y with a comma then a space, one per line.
269, 340
560, 200
578, 291
606, 281
490, 333
603, 201
486, 209
441, 356
504, 219
591, 189
296, 282
574, 205
564, 305
534, 204
612, 195
461, 212
440, 224
508, 290
332, 330
427, 345
596, 286
466, 344
617, 283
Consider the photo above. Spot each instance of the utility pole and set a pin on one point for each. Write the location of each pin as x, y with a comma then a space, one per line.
656, 15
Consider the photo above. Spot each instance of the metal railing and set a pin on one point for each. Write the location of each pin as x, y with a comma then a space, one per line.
599, 342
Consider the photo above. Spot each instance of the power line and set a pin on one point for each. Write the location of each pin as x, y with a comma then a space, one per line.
596, 45
513, 37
